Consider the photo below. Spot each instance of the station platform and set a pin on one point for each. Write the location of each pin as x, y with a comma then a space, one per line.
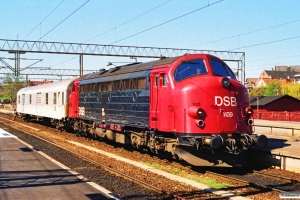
28, 174
283, 149
280, 128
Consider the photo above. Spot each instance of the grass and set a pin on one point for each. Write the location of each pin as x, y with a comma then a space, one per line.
204, 180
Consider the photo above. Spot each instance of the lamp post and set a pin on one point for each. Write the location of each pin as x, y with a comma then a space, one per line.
134, 58
257, 103
12, 92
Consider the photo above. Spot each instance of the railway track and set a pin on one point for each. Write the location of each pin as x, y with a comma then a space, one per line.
287, 179
160, 192
250, 189
288, 184
110, 169
246, 182
260, 179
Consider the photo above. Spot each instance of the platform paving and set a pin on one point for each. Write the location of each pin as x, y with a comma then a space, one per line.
283, 149
27, 174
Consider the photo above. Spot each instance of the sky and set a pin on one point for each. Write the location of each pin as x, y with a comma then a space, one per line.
268, 31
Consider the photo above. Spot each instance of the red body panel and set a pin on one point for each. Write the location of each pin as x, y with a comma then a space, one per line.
74, 98
224, 107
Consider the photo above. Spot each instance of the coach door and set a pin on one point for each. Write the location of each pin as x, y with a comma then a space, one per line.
23, 102
154, 100
60, 104
57, 103
39, 102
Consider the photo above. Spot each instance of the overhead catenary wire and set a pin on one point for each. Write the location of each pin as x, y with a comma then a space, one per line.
158, 24
274, 58
44, 19
129, 20
65, 19
247, 33
263, 43
61, 21
148, 29
118, 27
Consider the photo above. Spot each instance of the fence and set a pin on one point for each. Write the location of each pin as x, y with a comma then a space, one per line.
278, 116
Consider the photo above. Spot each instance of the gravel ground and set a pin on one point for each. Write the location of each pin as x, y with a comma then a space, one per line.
120, 186
161, 182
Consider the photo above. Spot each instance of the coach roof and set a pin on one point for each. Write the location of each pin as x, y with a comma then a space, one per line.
49, 87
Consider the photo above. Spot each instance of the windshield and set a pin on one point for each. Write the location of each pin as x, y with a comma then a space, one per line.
221, 69
190, 68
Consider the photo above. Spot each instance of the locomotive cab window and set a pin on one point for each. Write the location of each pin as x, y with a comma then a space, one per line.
221, 69
190, 68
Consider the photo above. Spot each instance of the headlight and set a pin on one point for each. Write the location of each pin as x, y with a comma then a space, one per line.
249, 112
195, 112
225, 82
200, 112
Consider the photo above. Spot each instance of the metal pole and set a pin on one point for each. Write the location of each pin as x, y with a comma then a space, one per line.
80, 64
18, 70
257, 102
16, 63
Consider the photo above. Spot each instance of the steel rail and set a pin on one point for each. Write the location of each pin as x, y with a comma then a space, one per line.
245, 182
291, 180
106, 167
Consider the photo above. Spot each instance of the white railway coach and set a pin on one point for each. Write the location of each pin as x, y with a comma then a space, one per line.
49, 100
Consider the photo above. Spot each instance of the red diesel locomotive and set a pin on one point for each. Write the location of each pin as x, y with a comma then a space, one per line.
191, 107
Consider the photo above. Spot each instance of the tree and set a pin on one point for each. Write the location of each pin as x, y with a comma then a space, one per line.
260, 91
291, 89
272, 89
11, 85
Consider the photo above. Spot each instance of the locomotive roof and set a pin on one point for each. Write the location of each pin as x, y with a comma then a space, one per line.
131, 68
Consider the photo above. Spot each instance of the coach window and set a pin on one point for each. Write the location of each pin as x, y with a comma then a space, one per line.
46, 99
190, 68
54, 98
30, 99
62, 98
19, 99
